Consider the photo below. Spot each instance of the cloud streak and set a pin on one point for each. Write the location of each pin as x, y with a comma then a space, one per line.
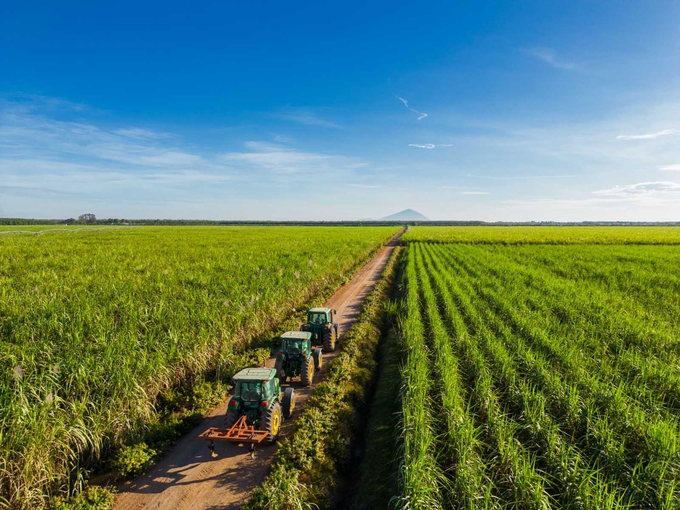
429, 145
549, 57
522, 177
649, 136
421, 115
641, 189
670, 168
307, 117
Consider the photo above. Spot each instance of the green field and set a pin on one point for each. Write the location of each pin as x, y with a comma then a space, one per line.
95, 325
545, 235
540, 376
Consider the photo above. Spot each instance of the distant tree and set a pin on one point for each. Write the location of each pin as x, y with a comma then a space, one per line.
87, 218
70, 221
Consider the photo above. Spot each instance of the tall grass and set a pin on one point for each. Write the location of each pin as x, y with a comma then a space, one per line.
95, 326
546, 376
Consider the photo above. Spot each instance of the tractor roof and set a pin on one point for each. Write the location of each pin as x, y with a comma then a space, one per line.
297, 335
320, 309
255, 374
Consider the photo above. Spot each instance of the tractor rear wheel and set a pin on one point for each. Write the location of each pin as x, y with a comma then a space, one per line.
280, 371
318, 358
329, 340
307, 374
271, 422
230, 420
288, 402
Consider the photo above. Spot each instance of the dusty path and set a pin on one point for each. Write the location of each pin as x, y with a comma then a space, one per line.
189, 478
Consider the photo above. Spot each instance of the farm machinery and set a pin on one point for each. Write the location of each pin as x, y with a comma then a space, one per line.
256, 411
320, 324
296, 357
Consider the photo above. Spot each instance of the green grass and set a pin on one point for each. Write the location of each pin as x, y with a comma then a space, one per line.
96, 325
545, 235
539, 376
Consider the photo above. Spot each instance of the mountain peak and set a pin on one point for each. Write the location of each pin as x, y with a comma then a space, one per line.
405, 215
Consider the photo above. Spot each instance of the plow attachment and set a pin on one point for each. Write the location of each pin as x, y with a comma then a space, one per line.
241, 432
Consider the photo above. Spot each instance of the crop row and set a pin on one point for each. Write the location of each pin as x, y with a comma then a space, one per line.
95, 326
494, 234
533, 382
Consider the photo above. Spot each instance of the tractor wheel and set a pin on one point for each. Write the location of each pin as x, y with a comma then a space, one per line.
329, 340
271, 422
280, 371
318, 358
288, 402
232, 417
307, 374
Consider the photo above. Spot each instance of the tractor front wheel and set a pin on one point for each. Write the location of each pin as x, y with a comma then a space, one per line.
329, 340
318, 358
271, 422
307, 374
288, 402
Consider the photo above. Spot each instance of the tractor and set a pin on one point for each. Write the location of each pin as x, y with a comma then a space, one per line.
296, 358
255, 412
320, 324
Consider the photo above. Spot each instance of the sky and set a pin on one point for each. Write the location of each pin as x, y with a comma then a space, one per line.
494, 111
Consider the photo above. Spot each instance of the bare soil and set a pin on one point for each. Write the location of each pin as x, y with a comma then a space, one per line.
188, 477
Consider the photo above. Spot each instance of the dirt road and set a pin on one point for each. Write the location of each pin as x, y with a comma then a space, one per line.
189, 478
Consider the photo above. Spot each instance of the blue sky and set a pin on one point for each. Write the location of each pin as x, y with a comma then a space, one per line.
271, 110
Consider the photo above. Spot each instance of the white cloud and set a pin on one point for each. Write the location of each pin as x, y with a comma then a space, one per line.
429, 145
522, 177
670, 168
421, 115
474, 192
648, 136
549, 57
280, 159
305, 116
367, 186
641, 189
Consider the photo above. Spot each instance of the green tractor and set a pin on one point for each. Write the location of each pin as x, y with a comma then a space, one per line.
296, 357
258, 403
320, 324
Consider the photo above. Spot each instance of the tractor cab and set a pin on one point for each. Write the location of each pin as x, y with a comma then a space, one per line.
296, 357
319, 317
255, 389
296, 344
320, 324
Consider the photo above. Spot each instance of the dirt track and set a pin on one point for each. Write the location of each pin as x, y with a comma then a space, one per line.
189, 478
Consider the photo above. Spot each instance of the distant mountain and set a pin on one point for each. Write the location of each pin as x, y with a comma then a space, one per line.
405, 215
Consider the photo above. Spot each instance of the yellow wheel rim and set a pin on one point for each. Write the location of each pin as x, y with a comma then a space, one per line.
276, 423
292, 402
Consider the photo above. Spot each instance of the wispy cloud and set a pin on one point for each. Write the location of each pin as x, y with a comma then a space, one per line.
474, 193
366, 186
305, 116
549, 57
92, 160
281, 159
670, 168
421, 115
649, 136
640, 189
429, 145
522, 177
